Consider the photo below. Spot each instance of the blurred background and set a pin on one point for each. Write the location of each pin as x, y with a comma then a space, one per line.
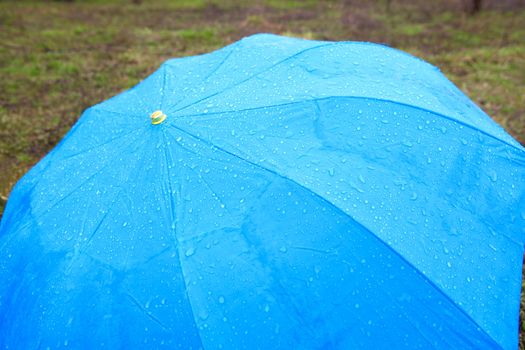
59, 57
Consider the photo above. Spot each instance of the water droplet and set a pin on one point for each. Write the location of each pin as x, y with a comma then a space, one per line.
190, 251
221, 300
283, 249
203, 314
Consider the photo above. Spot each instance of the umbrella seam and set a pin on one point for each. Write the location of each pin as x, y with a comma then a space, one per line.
210, 74
162, 91
96, 146
373, 99
517, 147
320, 43
221, 63
48, 158
425, 278
172, 214
256, 74
46, 210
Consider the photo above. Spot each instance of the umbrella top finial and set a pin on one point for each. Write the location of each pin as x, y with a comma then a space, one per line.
157, 117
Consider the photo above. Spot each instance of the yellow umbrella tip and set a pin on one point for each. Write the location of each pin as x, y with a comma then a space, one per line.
157, 117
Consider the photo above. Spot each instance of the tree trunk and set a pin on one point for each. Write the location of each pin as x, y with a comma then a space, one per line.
476, 6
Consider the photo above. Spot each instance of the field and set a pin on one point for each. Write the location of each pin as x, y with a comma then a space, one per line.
58, 58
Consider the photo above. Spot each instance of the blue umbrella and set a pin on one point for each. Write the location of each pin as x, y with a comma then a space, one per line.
275, 194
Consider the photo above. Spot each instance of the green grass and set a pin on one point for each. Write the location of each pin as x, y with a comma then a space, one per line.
58, 58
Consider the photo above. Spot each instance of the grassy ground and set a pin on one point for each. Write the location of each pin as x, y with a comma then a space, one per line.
58, 58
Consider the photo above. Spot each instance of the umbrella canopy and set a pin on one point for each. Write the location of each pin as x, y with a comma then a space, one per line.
277, 193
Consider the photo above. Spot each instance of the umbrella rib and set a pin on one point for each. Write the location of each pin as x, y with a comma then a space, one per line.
210, 74
176, 241
256, 75
317, 99
221, 63
101, 144
51, 156
133, 176
163, 89
137, 303
45, 211
97, 108
99, 224
335, 207
288, 298
77, 187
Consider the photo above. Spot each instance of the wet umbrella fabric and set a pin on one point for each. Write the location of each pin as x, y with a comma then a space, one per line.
296, 194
